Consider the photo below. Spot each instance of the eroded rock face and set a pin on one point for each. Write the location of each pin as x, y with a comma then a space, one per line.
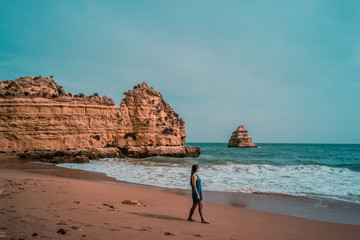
36, 114
44, 87
241, 138
149, 120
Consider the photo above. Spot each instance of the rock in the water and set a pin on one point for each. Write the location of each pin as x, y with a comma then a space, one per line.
241, 138
37, 115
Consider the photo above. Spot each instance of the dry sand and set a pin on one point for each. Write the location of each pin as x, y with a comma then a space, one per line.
41, 205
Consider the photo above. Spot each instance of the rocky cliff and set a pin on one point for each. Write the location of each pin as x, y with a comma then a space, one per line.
36, 114
241, 138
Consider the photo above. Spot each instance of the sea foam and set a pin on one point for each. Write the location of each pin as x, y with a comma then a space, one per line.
297, 180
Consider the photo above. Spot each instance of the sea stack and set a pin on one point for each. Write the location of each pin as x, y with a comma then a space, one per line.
241, 138
38, 119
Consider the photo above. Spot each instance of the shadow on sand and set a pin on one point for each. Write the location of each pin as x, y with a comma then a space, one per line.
159, 216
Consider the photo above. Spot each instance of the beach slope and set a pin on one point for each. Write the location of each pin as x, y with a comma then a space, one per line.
48, 207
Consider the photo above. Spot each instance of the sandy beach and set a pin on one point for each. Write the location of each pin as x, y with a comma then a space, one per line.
42, 206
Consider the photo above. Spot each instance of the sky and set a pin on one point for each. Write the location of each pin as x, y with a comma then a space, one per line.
288, 70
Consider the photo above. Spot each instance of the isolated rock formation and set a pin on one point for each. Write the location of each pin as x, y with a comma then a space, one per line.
36, 114
241, 138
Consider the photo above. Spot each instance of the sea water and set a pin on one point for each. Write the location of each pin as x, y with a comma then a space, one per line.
312, 170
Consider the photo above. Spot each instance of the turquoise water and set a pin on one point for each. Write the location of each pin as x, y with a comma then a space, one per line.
331, 155
313, 170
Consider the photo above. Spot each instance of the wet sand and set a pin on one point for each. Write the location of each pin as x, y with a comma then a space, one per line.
34, 202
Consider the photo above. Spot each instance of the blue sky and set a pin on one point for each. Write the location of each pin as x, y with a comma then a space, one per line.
288, 70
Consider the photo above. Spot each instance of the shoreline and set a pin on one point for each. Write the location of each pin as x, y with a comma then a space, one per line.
319, 209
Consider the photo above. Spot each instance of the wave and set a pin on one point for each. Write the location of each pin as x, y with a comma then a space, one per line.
350, 166
209, 160
299, 180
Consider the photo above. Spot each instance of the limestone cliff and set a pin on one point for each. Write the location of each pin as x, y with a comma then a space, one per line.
36, 114
148, 120
241, 138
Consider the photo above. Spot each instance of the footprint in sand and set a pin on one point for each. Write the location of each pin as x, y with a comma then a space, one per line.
108, 205
169, 234
61, 231
197, 235
127, 227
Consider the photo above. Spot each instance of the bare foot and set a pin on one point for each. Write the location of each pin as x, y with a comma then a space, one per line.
205, 222
191, 220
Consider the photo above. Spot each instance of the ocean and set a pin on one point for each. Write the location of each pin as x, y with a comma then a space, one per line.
312, 170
